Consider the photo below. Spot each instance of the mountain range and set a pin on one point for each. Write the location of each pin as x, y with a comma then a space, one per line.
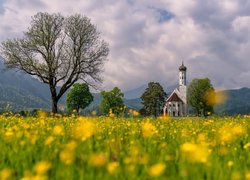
19, 91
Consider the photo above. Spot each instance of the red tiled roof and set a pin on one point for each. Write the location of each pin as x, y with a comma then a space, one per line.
174, 97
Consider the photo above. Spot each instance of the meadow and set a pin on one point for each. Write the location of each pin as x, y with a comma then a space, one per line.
94, 147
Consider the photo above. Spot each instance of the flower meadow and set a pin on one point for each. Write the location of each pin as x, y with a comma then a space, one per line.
58, 147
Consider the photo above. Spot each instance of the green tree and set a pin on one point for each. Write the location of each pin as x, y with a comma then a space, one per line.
153, 100
112, 100
58, 51
200, 94
79, 97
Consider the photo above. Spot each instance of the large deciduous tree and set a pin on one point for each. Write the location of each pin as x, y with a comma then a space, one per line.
79, 97
201, 96
112, 101
58, 51
153, 100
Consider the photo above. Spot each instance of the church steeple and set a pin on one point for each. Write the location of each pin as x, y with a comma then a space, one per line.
182, 75
182, 67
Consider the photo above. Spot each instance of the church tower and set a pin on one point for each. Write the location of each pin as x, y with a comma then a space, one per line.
182, 75
183, 85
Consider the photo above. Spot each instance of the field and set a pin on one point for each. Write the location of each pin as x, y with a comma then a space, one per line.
124, 148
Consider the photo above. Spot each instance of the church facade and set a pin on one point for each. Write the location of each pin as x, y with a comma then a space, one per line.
176, 103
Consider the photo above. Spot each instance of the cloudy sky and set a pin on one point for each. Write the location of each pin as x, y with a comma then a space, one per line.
149, 38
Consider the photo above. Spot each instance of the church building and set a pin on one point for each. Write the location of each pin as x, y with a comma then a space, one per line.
176, 103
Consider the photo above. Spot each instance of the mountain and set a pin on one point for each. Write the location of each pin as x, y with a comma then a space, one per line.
19, 91
135, 93
237, 102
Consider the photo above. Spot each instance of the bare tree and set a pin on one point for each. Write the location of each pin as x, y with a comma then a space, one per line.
58, 51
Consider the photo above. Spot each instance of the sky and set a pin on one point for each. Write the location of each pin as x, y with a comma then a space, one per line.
148, 39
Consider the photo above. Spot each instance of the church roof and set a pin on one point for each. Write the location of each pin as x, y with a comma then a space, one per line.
174, 97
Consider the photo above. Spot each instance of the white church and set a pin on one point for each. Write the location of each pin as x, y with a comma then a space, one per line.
176, 103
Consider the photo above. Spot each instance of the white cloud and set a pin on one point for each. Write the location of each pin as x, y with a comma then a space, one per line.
241, 25
212, 37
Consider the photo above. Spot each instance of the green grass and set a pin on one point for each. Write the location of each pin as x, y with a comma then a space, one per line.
124, 148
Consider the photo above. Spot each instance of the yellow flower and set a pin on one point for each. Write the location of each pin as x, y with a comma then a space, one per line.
111, 114
112, 167
84, 129
42, 114
98, 160
228, 133
247, 175
157, 169
236, 175
71, 145
148, 129
195, 152
67, 156
58, 130
135, 113
5, 174
247, 145
49, 140
9, 134
42, 167
35, 177
164, 118
230, 163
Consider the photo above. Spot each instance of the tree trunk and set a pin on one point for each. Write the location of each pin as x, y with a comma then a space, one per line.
54, 99
54, 105
77, 111
204, 112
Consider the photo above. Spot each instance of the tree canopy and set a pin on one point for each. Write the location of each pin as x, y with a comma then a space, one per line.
59, 51
79, 97
201, 96
153, 100
112, 101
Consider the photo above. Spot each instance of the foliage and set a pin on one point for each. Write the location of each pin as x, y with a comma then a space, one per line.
118, 148
58, 51
112, 102
200, 96
78, 97
153, 100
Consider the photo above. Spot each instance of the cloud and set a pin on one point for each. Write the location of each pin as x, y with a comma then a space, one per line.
149, 39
